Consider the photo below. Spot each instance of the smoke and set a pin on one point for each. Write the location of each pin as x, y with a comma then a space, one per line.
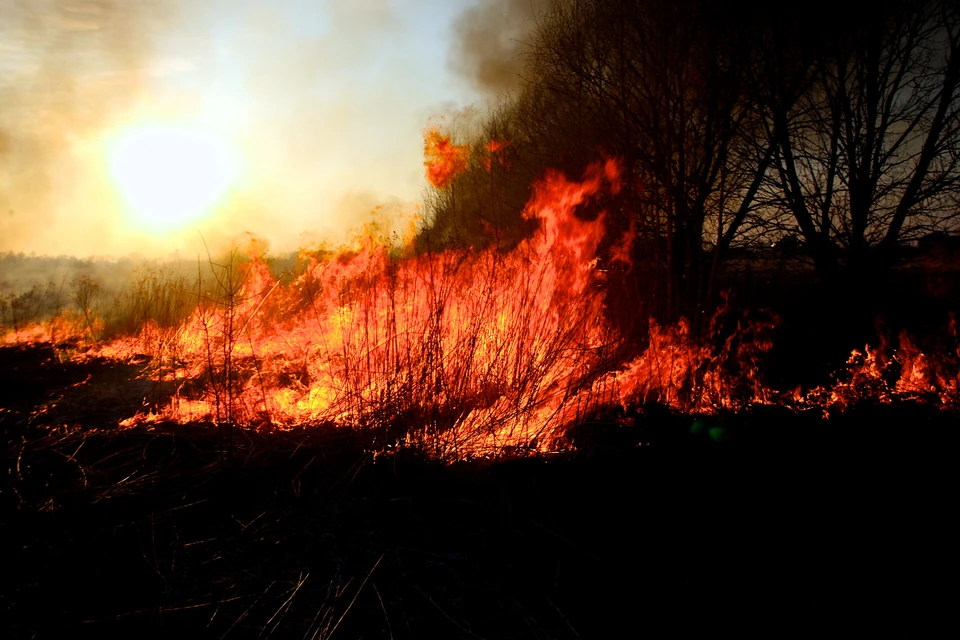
322, 101
490, 38
67, 70
319, 130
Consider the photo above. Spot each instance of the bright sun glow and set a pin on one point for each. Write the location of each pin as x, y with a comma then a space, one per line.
170, 174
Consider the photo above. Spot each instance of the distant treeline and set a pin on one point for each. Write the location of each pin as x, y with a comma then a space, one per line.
124, 291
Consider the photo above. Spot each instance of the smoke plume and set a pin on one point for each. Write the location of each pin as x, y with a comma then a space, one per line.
489, 42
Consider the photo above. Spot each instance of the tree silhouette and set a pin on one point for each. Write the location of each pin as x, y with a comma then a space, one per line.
866, 126
733, 125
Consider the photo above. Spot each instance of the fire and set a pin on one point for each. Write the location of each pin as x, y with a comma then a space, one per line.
443, 159
896, 369
495, 154
462, 352
170, 174
474, 351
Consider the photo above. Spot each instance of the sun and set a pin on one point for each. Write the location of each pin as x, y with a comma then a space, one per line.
170, 175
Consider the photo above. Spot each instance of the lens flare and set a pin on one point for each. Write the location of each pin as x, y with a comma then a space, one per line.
170, 175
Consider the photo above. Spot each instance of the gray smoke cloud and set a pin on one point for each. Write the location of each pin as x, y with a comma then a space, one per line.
489, 42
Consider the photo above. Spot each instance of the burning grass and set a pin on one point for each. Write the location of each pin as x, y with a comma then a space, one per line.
278, 469
458, 353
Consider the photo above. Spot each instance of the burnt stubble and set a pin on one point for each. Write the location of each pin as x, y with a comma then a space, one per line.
785, 522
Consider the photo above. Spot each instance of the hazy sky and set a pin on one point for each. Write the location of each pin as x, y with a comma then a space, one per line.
322, 101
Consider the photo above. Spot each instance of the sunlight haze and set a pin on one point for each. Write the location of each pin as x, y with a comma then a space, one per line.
135, 127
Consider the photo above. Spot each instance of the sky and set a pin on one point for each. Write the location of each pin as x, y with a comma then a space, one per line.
320, 105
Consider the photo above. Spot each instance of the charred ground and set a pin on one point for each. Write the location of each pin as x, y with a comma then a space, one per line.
770, 520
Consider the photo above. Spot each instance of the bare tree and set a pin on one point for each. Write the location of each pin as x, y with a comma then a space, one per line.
728, 122
661, 85
867, 124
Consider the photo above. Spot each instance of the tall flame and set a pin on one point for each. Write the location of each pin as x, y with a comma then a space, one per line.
475, 350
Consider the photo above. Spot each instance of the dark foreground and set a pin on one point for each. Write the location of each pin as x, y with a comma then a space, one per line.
778, 525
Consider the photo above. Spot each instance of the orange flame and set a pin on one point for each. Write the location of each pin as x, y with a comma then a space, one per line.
889, 372
471, 351
495, 150
443, 159
464, 352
